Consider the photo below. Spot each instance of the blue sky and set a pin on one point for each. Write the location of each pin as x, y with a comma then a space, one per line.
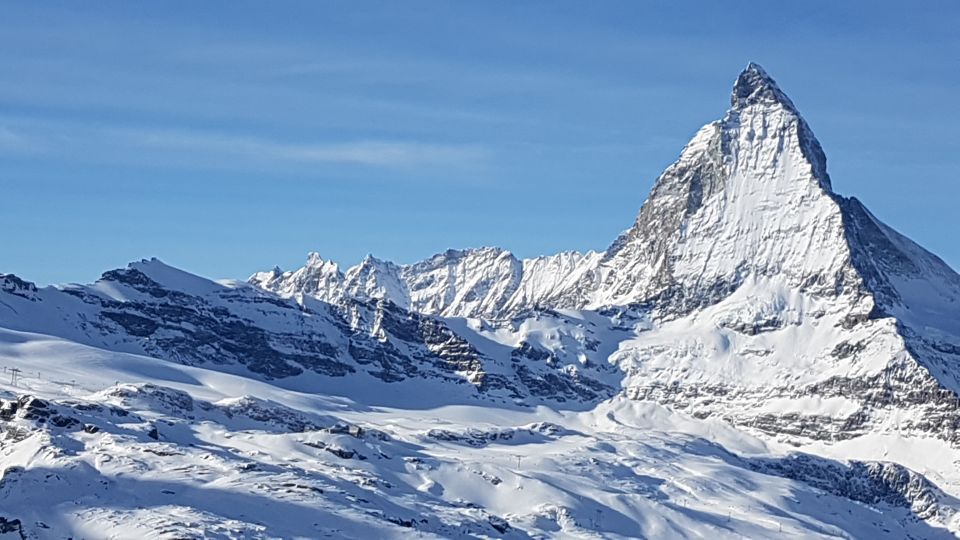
225, 138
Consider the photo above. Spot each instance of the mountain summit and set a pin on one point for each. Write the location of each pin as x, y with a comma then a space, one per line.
755, 87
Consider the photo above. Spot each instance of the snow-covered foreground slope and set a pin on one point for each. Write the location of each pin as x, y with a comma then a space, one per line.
101, 444
656, 389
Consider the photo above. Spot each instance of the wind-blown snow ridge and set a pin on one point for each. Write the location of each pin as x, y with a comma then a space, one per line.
659, 388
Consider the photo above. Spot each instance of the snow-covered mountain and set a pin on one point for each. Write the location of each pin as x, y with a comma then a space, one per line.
756, 355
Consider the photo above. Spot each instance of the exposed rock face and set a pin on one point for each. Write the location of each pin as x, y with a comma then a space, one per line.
869, 483
12, 526
11, 284
479, 438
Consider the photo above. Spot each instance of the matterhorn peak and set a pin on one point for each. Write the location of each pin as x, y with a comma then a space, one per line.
755, 87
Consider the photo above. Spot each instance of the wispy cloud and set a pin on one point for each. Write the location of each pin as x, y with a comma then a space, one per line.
184, 147
14, 141
381, 153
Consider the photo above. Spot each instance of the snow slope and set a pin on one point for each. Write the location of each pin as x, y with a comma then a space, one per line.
127, 446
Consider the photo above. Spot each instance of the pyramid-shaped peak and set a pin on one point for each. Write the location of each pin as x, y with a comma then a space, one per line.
754, 86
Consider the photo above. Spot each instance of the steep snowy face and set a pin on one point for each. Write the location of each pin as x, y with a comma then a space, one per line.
563, 280
907, 281
749, 196
374, 279
492, 283
465, 283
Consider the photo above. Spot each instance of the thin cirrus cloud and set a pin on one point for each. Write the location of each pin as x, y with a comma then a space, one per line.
381, 153
192, 148
14, 141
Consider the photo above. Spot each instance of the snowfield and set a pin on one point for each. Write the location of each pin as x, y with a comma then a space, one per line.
756, 357
154, 449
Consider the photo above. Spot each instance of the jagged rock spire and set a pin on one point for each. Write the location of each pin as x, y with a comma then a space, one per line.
754, 86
